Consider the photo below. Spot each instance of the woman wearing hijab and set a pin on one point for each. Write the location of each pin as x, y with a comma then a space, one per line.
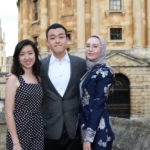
96, 131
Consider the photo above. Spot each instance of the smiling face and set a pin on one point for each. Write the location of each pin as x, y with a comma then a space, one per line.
57, 42
27, 57
93, 48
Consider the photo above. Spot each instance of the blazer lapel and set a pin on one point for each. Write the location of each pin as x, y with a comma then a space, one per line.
50, 84
73, 68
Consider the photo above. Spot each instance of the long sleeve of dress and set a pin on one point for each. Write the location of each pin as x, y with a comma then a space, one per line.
97, 89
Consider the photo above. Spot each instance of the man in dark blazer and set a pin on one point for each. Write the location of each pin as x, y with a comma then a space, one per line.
60, 74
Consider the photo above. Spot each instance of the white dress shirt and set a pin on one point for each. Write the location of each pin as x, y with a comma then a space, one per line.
59, 73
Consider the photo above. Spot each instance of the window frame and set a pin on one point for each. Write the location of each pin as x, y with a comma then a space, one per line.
70, 37
115, 34
121, 11
35, 10
113, 5
36, 40
109, 33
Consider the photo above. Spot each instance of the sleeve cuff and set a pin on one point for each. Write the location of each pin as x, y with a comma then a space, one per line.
88, 135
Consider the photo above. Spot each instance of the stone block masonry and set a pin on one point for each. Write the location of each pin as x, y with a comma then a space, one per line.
2, 136
129, 134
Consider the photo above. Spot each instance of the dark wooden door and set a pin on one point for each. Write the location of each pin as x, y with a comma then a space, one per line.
119, 97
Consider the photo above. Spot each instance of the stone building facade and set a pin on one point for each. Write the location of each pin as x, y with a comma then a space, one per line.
2, 51
2, 74
5, 65
125, 24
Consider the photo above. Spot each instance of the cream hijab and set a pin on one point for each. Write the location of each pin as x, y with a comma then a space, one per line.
101, 59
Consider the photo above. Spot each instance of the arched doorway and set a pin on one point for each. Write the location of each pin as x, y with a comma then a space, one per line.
119, 97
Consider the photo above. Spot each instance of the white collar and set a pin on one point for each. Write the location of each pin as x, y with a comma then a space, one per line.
65, 58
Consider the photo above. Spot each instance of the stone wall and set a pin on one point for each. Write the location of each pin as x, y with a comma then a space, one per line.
129, 134
2, 136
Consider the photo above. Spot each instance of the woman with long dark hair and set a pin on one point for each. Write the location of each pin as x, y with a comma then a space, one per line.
23, 100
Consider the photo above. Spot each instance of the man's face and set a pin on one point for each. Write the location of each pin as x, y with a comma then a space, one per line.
57, 42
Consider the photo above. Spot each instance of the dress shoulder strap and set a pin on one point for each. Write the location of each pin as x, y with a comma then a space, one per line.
21, 80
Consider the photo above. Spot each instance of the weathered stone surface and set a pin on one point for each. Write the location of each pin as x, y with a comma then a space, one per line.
131, 134
2, 116
2, 119
2, 136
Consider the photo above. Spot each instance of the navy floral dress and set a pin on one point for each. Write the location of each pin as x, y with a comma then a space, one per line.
94, 118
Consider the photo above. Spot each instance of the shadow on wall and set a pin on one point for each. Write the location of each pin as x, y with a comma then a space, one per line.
131, 134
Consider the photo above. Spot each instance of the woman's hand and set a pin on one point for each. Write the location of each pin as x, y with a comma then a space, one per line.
17, 146
87, 146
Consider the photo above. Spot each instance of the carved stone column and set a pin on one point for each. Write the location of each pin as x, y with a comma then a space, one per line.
25, 19
137, 24
95, 18
53, 8
20, 21
80, 23
148, 23
43, 23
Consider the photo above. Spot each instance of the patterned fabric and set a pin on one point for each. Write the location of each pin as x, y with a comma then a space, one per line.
28, 118
94, 118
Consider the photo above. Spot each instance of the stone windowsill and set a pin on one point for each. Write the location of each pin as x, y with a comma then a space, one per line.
107, 12
35, 22
116, 41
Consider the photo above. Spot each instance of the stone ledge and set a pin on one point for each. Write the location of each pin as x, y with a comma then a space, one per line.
2, 136
131, 134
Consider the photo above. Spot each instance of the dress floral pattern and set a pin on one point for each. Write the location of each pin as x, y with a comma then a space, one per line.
94, 118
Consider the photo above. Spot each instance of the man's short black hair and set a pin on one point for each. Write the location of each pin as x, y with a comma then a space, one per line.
55, 26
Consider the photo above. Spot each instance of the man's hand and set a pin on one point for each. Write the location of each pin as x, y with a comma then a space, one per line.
8, 75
